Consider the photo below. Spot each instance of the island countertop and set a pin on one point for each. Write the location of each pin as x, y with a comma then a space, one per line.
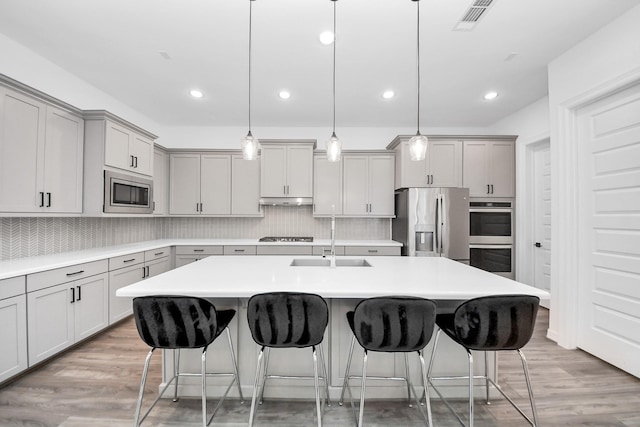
242, 277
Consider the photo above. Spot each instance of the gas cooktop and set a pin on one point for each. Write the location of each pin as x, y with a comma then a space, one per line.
286, 239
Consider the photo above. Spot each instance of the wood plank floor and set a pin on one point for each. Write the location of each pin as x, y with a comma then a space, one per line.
96, 384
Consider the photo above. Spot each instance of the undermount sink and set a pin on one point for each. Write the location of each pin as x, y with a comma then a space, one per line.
325, 262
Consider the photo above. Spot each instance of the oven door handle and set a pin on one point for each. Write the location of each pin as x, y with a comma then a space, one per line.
490, 246
490, 210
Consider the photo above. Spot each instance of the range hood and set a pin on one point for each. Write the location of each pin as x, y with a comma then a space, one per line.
286, 201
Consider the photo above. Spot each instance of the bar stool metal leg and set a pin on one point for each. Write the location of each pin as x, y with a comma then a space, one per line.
143, 381
425, 382
203, 370
525, 368
407, 379
363, 388
324, 373
176, 371
235, 365
345, 384
486, 375
259, 367
470, 388
317, 385
267, 354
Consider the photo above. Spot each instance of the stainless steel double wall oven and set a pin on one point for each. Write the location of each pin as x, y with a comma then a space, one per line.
491, 236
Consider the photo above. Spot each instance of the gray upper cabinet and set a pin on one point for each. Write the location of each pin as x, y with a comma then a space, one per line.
489, 168
286, 168
327, 186
245, 186
160, 182
441, 168
368, 185
41, 155
126, 149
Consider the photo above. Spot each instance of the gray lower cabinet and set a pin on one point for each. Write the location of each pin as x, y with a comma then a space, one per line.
13, 327
188, 254
239, 250
285, 250
372, 250
121, 307
62, 314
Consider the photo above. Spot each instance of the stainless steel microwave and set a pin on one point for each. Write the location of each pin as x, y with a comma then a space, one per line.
127, 194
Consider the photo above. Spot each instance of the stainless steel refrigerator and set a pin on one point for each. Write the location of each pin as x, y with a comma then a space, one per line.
433, 222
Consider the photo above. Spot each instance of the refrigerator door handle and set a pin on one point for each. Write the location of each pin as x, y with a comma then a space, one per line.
436, 234
440, 224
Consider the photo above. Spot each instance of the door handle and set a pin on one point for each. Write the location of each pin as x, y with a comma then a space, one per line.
491, 188
488, 189
136, 161
79, 293
48, 200
42, 199
131, 161
73, 295
538, 245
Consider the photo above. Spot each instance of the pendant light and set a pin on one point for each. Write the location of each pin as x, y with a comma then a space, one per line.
249, 143
334, 145
419, 143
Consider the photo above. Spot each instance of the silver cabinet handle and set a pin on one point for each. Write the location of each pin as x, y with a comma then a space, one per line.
373, 251
238, 250
74, 273
129, 260
198, 250
158, 253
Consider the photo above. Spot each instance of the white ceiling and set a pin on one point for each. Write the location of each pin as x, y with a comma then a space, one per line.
115, 45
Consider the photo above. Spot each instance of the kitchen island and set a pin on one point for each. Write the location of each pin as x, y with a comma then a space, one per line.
232, 280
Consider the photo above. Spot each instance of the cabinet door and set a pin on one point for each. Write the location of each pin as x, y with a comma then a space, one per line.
445, 164
141, 149
158, 266
188, 259
381, 198
50, 321
22, 124
184, 178
475, 170
13, 335
91, 306
64, 142
300, 171
245, 186
410, 173
327, 186
121, 307
502, 169
355, 187
215, 184
116, 146
160, 182
273, 173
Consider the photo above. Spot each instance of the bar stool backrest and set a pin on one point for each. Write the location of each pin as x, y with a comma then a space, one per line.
501, 322
394, 324
287, 319
173, 322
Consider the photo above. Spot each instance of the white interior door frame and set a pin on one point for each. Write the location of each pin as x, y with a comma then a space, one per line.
565, 207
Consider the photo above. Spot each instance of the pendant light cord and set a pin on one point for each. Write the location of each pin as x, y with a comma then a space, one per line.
250, 16
334, 66
418, 61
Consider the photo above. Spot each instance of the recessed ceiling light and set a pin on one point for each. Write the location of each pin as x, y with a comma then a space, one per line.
326, 37
284, 94
490, 95
388, 94
196, 93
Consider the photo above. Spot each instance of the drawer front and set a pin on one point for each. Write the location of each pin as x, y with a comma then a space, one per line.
285, 250
12, 287
48, 278
157, 253
199, 250
326, 250
239, 250
372, 251
125, 260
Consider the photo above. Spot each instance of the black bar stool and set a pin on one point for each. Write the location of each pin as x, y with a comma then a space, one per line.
396, 325
493, 323
181, 322
287, 320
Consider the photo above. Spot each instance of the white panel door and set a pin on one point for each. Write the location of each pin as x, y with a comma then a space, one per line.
300, 171
121, 307
381, 198
445, 164
502, 169
609, 300
245, 186
327, 186
273, 173
475, 173
142, 151
116, 147
91, 306
355, 185
542, 217
13, 336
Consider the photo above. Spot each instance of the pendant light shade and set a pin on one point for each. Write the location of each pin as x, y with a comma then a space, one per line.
334, 145
419, 144
249, 143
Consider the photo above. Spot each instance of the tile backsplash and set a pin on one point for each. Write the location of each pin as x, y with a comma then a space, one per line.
23, 237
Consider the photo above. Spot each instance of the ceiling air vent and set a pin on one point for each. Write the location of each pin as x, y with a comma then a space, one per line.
471, 17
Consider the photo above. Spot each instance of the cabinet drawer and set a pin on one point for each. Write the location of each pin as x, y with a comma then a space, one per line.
326, 250
239, 250
125, 260
285, 250
12, 287
199, 250
372, 250
157, 253
45, 279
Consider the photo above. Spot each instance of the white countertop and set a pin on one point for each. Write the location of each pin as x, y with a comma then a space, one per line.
36, 264
241, 277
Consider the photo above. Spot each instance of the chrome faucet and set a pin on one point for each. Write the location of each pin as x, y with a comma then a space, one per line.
332, 262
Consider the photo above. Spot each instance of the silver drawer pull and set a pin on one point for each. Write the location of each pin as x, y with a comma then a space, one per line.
129, 260
373, 251
73, 274
198, 250
158, 253
238, 250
